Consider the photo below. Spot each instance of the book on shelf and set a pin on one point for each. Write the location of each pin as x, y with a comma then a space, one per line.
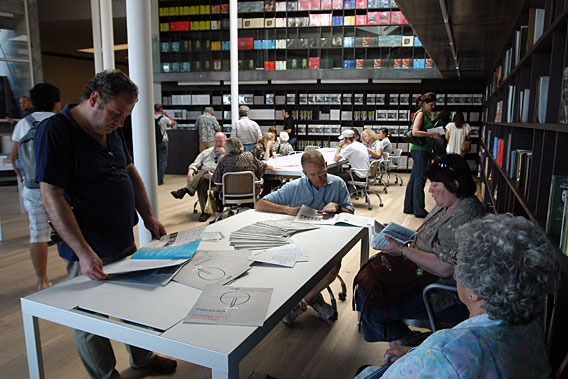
564, 230
535, 27
556, 200
500, 152
499, 111
541, 99
563, 114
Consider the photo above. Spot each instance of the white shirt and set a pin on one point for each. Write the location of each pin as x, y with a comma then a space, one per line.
22, 127
246, 130
457, 136
164, 123
358, 158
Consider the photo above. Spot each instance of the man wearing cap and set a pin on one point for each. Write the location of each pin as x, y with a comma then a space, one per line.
356, 153
319, 190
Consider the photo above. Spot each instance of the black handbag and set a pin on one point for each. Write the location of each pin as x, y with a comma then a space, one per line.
409, 138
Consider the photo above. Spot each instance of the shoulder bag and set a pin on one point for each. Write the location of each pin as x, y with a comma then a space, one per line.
409, 138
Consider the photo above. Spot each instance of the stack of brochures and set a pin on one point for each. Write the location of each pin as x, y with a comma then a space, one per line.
265, 234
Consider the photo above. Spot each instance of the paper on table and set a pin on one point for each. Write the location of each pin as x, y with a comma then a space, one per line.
213, 236
220, 267
177, 245
176, 239
157, 276
130, 265
231, 306
265, 256
311, 216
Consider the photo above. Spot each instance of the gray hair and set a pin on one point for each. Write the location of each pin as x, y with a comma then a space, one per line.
509, 263
233, 146
110, 84
314, 157
243, 110
209, 110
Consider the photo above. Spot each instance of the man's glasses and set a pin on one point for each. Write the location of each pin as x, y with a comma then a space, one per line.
316, 174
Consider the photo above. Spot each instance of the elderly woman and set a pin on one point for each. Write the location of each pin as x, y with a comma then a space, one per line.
453, 189
237, 160
504, 267
263, 150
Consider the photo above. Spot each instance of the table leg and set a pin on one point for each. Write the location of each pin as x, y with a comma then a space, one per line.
232, 374
364, 249
33, 346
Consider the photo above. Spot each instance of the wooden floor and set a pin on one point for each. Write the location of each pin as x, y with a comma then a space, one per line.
309, 349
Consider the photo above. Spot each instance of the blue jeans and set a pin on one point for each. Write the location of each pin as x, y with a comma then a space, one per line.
248, 146
414, 197
386, 324
292, 142
162, 154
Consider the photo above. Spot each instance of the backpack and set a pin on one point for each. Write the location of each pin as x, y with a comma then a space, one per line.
26, 161
158, 130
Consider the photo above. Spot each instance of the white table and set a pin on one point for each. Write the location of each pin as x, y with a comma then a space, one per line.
220, 347
291, 166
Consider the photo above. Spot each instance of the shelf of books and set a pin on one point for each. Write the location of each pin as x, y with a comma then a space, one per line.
314, 38
321, 112
524, 134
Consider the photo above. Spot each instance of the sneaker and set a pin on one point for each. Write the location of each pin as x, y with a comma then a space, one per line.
203, 217
324, 310
179, 194
160, 366
288, 320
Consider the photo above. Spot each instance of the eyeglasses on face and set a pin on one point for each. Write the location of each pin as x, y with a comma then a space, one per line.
316, 174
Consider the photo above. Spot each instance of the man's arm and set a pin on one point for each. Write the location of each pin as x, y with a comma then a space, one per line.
216, 126
172, 121
143, 204
13, 156
338, 157
64, 221
268, 206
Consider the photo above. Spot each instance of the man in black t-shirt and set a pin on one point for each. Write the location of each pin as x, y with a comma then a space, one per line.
289, 126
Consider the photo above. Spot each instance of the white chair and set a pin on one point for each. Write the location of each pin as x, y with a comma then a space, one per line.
382, 170
238, 191
393, 164
311, 147
364, 187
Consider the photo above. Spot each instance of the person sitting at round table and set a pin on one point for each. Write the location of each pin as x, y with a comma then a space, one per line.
453, 190
263, 150
504, 267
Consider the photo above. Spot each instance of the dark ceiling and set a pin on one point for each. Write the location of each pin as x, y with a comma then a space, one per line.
479, 28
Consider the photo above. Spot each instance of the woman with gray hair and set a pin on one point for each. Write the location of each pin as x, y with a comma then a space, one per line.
504, 267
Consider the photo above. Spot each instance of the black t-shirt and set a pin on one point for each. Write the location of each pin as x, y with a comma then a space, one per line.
290, 124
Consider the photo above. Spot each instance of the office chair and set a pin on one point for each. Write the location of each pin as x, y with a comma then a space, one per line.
364, 187
394, 161
238, 192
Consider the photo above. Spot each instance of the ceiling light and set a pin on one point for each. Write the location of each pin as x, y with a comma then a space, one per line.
122, 46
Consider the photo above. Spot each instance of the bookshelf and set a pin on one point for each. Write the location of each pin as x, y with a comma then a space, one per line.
314, 38
524, 134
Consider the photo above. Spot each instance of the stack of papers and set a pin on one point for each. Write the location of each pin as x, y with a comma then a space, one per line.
265, 235
286, 255
179, 245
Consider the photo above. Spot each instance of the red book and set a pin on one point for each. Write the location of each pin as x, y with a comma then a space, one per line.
361, 19
500, 148
376, 63
315, 4
384, 18
396, 17
314, 63
304, 5
179, 26
359, 63
361, 4
246, 43
397, 63
406, 63
428, 63
269, 65
224, 8
325, 4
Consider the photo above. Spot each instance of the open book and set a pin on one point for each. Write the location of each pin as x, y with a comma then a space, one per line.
396, 232
309, 215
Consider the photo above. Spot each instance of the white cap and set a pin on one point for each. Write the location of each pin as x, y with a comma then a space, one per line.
284, 136
346, 134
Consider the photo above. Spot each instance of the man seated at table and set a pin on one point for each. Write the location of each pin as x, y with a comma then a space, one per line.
318, 190
356, 153
200, 171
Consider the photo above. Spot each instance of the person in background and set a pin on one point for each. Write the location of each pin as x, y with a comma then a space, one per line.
504, 268
162, 148
246, 129
200, 172
26, 104
273, 130
356, 153
324, 192
284, 148
263, 150
439, 144
46, 102
414, 196
91, 192
376, 144
356, 134
207, 125
456, 133
453, 190
289, 126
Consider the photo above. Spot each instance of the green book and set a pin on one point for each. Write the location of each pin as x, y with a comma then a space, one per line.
558, 190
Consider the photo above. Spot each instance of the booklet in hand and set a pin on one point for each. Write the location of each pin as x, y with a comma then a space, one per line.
396, 232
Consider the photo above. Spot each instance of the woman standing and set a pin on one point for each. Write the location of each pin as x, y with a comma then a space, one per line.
414, 197
456, 133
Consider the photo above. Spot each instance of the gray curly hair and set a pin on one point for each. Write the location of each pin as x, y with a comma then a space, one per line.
233, 146
509, 263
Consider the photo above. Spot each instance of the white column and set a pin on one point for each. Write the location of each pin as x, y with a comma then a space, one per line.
234, 41
107, 34
140, 68
96, 25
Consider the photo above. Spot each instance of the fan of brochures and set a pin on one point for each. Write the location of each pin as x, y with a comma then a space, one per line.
265, 234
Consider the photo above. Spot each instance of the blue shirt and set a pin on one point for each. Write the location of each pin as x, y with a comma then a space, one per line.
95, 180
477, 348
300, 192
